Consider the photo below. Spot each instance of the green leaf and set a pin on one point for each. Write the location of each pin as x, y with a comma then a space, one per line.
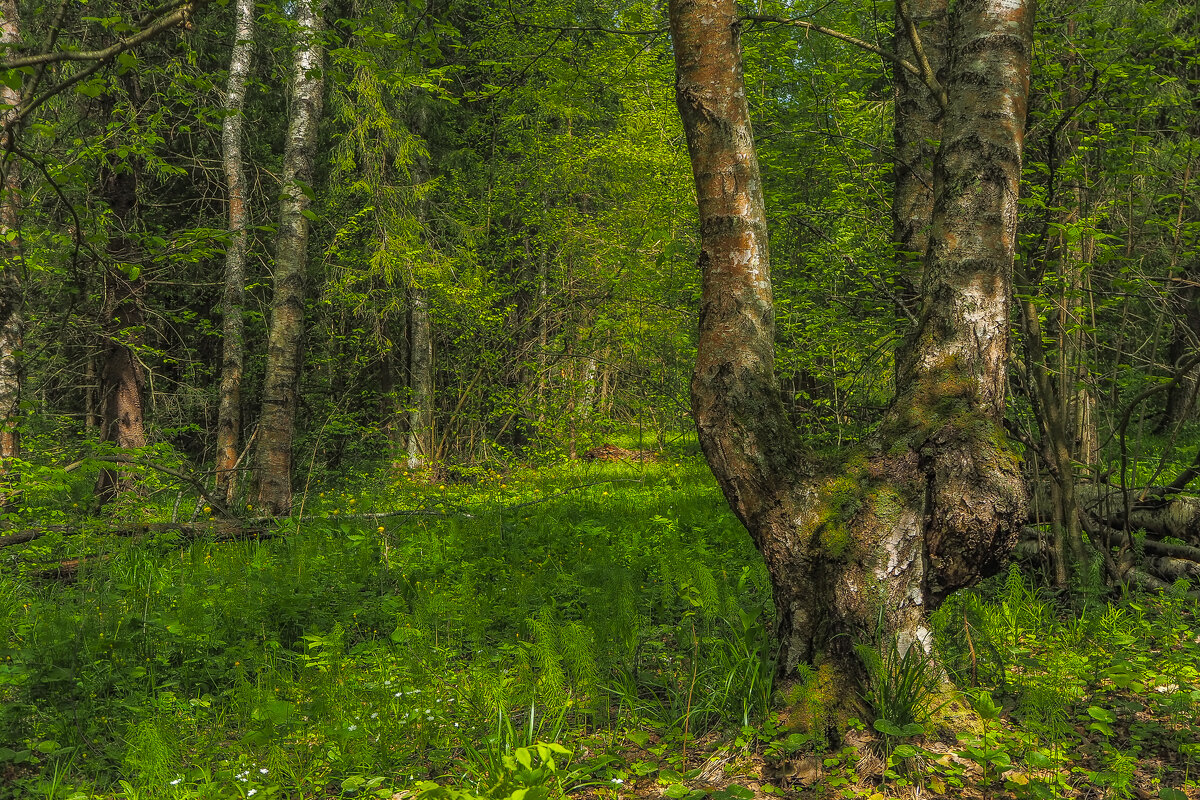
640, 738
888, 728
524, 757
986, 706
308, 190
677, 791
1167, 793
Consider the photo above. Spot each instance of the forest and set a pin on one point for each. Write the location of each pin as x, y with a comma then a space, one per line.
611, 399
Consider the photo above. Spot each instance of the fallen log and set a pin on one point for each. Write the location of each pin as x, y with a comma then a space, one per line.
223, 529
1156, 510
1163, 563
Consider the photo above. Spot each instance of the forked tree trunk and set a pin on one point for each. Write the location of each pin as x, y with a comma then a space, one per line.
12, 317
229, 415
281, 386
122, 379
937, 501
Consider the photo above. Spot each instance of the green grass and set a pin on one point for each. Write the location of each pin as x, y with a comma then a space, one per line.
410, 647
618, 611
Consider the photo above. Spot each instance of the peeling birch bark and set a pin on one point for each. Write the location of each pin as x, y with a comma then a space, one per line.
273, 468
936, 501
229, 414
12, 297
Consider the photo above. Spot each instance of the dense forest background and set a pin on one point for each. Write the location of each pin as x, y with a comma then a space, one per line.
501, 246
436, 260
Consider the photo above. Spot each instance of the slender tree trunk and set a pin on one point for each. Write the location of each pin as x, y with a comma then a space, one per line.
420, 380
122, 379
282, 382
422, 441
12, 316
848, 545
918, 129
1185, 338
1185, 301
91, 397
229, 415
543, 337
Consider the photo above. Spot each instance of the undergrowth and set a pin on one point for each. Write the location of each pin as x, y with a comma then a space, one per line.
594, 630
363, 654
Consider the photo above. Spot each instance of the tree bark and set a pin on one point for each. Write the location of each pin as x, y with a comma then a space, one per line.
917, 131
847, 545
420, 380
12, 315
122, 378
1184, 301
421, 447
229, 414
282, 382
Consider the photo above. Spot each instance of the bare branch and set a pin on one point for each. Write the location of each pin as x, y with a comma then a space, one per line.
845, 37
927, 77
109, 53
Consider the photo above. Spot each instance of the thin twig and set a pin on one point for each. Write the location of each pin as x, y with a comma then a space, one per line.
908, 66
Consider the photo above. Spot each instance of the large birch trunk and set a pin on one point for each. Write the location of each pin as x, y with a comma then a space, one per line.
12, 317
281, 387
229, 415
937, 500
952, 391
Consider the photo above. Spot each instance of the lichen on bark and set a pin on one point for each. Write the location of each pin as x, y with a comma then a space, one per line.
934, 499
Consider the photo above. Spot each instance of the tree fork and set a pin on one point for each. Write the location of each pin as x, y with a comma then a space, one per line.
847, 546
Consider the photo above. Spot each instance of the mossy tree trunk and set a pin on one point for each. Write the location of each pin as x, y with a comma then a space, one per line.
936, 500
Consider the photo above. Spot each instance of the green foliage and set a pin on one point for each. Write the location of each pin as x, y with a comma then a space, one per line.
345, 651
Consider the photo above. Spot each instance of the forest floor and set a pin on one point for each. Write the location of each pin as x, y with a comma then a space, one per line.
591, 628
